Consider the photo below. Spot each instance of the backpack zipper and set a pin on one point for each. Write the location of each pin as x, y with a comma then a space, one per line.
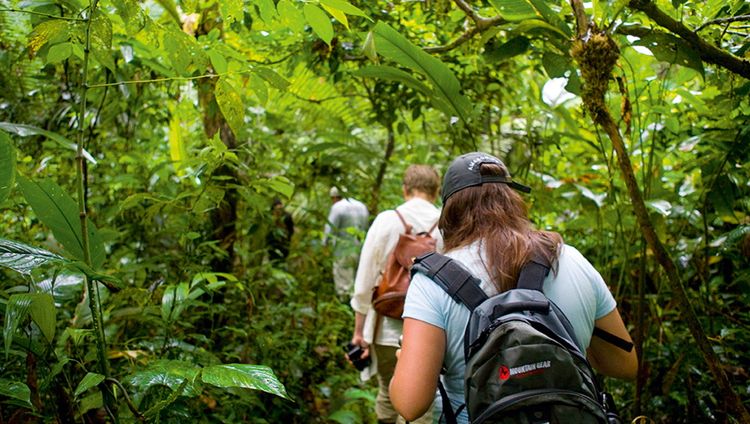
516, 398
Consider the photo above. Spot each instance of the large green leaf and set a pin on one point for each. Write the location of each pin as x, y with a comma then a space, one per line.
256, 377
231, 106
23, 258
44, 314
89, 380
511, 48
16, 311
49, 31
23, 130
15, 390
345, 7
166, 373
669, 48
231, 10
173, 301
291, 16
319, 22
59, 212
447, 89
514, 10
393, 74
7, 166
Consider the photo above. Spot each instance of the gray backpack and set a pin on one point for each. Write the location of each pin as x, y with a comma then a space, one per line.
522, 362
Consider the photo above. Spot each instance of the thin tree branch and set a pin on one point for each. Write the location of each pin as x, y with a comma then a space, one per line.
720, 21
481, 24
47, 15
708, 52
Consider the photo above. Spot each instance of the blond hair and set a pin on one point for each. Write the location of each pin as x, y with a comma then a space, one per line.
422, 178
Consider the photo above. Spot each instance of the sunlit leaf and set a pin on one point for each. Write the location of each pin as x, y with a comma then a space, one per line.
267, 10
167, 373
447, 89
173, 301
231, 10
15, 390
23, 258
101, 40
551, 16
368, 47
218, 61
256, 377
7, 166
345, 7
231, 106
337, 14
171, 7
16, 311
282, 186
89, 380
49, 31
59, 212
598, 199
291, 16
319, 21
258, 85
23, 130
44, 314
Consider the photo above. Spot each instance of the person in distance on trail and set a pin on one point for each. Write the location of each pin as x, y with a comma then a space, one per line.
346, 216
485, 227
377, 335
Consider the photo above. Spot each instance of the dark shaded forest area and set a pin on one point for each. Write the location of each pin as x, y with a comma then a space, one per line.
143, 145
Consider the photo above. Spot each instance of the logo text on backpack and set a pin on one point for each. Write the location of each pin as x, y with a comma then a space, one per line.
523, 370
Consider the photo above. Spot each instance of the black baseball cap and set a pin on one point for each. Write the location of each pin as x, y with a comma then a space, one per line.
464, 172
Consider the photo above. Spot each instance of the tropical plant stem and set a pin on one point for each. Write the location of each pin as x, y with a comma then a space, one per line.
46, 15
602, 117
94, 301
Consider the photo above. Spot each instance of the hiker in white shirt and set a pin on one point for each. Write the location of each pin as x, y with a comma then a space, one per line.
346, 218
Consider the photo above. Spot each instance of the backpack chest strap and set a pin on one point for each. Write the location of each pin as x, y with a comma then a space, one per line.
452, 277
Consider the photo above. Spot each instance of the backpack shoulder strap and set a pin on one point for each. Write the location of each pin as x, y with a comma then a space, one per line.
452, 277
407, 227
533, 274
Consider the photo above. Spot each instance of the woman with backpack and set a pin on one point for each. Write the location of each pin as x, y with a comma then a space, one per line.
485, 228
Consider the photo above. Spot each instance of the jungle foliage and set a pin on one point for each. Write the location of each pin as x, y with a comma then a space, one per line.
143, 143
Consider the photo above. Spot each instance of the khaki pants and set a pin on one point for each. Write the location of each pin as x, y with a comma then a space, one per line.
383, 407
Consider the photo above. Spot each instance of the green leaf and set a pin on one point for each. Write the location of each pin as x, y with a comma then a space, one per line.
22, 258
337, 14
44, 314
218, 61
291, 16
258, 85
50, 31
167, 373
89, 380
7, 166
556, 65
101, 40
282, 186
552, 17
59, 52
60, 213
393, 74
514, 10
447, 89
319, 22
273, 78
231, 10
16, 390
256, 377
16, 311
171, 7
230, 104
267, 10
23, 130
173, 301
669, 48
513, 47
368, 47
345, 7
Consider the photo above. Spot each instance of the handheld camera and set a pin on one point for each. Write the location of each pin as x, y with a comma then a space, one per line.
354, 353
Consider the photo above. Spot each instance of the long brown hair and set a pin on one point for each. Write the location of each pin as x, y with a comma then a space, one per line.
498, 216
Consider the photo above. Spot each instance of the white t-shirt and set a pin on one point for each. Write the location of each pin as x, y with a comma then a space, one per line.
577, 288
381, 239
